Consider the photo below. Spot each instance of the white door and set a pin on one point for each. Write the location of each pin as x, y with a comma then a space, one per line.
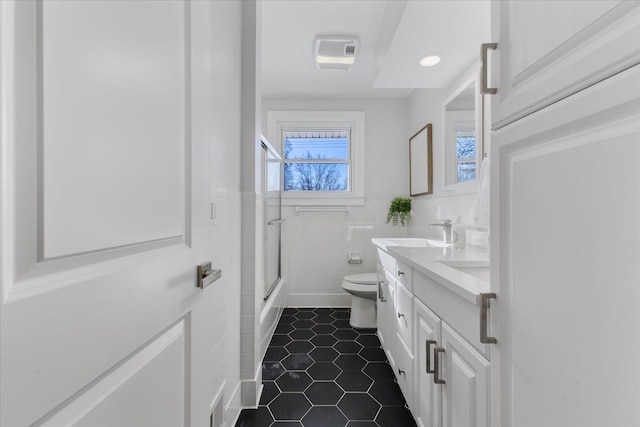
565, 245
548, 50
428, 396
104, 212
465, 393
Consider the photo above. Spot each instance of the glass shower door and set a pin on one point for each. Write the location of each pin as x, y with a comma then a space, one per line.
272, 191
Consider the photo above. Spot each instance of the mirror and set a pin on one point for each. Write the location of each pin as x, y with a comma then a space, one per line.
462, 134
421, 162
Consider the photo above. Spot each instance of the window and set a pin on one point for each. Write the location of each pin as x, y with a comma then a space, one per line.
323, 155
316, 160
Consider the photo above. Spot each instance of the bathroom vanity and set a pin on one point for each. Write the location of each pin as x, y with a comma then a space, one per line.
432, 304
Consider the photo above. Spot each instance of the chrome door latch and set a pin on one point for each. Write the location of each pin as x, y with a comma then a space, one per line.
206, 275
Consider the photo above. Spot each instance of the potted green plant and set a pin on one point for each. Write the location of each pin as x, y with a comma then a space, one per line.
399, 211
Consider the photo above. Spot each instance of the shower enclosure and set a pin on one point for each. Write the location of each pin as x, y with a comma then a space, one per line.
272, 191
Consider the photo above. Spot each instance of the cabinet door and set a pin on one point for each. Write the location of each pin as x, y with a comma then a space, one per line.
548, 50
565, 239
381, 305
465, 394
389, 336
427, 393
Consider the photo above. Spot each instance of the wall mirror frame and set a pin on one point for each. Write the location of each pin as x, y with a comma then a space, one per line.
463, 133
421, 162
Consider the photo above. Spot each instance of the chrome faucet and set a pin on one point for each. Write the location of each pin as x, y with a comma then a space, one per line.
446, 230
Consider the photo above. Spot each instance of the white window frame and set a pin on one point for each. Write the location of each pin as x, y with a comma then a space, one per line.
280, 121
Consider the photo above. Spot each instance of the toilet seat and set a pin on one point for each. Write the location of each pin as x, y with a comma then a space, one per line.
366, 279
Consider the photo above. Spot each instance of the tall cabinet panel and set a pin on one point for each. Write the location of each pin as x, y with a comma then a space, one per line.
566, 217
548, 50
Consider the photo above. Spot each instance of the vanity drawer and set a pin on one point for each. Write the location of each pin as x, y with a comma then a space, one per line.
404, 315
404, 274
404, 372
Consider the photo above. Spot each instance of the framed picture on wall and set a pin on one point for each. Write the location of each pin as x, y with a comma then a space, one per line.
421, 162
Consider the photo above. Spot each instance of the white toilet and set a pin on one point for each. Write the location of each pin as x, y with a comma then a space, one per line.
364, 289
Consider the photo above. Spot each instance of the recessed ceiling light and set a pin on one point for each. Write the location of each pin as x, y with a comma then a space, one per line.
430, 60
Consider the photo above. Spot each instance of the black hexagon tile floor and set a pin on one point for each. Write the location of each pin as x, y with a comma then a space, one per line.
320, 372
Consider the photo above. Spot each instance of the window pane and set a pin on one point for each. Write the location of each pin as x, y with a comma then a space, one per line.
332, 145
316, 177
466, 155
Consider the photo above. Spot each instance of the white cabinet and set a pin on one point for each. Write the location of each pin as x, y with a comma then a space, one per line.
430, 331
548, 50
565, 191
568, 199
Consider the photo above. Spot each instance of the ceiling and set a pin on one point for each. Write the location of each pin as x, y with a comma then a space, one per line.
393, 36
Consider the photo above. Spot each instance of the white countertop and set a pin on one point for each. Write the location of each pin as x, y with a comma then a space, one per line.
426, 260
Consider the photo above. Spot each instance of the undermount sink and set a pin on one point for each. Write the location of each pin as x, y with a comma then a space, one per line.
413, 242
476, 268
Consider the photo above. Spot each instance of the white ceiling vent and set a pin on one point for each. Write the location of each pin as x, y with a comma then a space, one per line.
335, 52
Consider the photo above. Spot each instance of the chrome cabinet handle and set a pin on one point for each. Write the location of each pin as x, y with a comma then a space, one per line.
206, 276
483, 54
400, 273
429, 344
436, 366
484, 318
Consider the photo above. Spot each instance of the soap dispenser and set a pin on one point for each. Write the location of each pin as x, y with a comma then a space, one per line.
459, 235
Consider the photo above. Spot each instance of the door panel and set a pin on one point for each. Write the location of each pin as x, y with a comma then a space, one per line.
112, 157
550, 50
115, 399
98, 259
568, 273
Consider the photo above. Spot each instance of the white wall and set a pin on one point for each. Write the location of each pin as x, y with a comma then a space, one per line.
316, 245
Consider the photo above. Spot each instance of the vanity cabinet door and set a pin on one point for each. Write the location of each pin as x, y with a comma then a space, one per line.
465, 393
427, 393
548, 50
382, 319
386, 317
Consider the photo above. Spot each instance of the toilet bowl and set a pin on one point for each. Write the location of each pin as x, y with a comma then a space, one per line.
363, 302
